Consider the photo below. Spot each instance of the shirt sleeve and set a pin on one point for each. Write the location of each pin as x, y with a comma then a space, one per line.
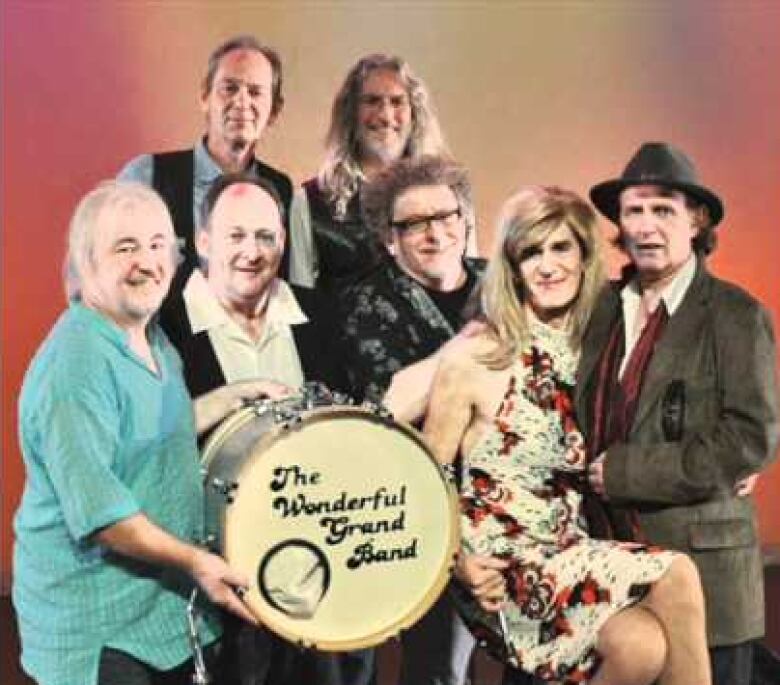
80, 444
139, 169
303, 256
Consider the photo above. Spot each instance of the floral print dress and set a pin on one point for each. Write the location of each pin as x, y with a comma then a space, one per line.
521, 501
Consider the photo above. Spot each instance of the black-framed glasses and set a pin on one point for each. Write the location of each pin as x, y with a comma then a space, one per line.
417, 224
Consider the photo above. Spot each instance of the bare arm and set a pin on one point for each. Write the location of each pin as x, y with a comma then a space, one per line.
137, 537
214, 406
450, 409
410, 388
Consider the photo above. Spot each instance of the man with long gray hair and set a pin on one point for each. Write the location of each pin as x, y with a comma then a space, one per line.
382, 113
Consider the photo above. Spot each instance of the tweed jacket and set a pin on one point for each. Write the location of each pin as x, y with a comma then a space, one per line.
707, 416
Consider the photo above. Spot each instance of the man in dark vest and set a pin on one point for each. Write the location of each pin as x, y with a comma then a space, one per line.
241, 95
236, 320
381, 113
677, 395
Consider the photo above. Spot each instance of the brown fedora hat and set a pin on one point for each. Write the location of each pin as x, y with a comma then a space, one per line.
658, 164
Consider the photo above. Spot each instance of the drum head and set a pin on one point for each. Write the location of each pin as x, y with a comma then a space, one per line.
346, 526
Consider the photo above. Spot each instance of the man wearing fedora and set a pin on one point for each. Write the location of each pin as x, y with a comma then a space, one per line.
677, 394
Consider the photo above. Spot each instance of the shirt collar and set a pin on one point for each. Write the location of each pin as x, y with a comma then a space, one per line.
672, 294
108, 328
206, 170
205, 312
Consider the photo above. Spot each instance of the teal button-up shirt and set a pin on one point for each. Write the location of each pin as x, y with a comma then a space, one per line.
103, 438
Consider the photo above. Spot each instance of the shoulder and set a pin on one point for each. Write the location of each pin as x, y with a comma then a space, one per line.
311, 301
461, 354
278, 178
140, 169
74, 363
475, 265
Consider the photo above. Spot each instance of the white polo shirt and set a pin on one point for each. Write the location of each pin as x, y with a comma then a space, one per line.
274, 356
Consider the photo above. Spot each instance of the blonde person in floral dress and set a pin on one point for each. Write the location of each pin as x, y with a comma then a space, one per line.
576, 609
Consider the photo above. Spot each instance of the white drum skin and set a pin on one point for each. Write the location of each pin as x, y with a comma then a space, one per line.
340, 517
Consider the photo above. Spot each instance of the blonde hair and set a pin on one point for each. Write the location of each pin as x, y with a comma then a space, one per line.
526, 220
118, 195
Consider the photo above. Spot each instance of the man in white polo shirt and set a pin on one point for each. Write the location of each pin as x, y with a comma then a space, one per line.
235, 320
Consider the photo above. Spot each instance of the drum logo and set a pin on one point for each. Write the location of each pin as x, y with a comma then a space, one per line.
378, 513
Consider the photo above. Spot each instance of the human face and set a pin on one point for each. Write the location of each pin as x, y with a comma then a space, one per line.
384, 118
238, 106
657, 230
551, 273
242, 245
131, 265
431, 246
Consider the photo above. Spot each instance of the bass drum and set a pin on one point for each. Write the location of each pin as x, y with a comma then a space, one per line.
341, 518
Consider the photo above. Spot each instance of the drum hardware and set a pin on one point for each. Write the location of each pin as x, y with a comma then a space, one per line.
200, 675
223, 487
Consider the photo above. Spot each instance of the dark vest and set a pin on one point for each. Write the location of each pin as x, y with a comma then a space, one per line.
346, 249
202, 372
172, 178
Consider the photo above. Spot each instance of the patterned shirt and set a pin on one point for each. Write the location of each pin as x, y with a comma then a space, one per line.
103, 438
389, 322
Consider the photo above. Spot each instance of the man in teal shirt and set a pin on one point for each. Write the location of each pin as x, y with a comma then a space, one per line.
107, 531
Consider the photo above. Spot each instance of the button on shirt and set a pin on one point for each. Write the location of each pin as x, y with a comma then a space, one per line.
103, 438
274, 356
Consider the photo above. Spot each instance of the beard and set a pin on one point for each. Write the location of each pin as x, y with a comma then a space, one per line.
384, 152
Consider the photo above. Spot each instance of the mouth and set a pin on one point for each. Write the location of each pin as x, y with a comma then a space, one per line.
647, 247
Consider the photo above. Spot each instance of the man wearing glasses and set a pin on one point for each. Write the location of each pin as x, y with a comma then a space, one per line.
394, 321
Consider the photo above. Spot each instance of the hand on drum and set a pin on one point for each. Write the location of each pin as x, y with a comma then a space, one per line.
222, 585
484, 578
214, 406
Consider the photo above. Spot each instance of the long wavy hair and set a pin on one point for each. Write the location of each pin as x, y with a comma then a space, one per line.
526, 220
340, 174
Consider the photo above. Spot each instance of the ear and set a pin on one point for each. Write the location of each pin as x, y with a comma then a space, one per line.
204, 98
202, 242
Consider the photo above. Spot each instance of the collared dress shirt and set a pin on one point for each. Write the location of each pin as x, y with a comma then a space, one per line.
672, 296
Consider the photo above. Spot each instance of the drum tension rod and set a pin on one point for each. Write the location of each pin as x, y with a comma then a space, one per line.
224, 487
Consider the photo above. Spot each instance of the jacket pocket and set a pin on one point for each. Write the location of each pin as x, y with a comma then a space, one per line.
721, 534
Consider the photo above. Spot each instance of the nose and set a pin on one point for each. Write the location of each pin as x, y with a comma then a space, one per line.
385, 110
547, 263
253, 250
146, 259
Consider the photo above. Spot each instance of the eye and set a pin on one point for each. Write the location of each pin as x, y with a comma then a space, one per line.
125, 248
236, 236
530, 252
398, 101
254, 91
370, 100
228, 88
563, 247
266, 238
664, 211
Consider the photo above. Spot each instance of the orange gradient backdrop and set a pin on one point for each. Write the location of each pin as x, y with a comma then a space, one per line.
527, 92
